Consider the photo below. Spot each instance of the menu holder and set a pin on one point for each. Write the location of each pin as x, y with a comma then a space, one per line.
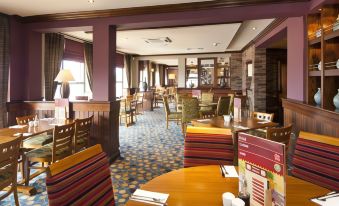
262, 166
237, 109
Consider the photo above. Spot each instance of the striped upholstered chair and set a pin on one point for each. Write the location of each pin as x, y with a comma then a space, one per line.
208, 146
81, 179
316, 159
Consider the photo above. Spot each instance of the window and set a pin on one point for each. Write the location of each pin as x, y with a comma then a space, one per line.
79, 87
119, 73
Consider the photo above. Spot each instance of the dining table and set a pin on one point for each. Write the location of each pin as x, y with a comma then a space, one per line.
15, 131
204, 185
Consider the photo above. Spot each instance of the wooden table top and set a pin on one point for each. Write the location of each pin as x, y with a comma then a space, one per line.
204, 186
45, 125
244, 125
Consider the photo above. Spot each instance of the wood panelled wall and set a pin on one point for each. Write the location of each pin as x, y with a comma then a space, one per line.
309, 118
105, 130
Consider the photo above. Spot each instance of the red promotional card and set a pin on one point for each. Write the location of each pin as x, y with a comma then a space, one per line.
262, 165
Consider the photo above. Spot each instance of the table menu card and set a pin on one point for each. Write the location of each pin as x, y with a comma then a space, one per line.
262, 165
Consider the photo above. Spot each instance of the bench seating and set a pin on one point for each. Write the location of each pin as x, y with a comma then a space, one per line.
316, 160
208, 146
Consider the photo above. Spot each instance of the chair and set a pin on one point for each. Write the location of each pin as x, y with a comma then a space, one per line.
190, 111
126, 111
316, 159
133, 106
263, 116
171, 93
178, 100
139, 97
170, 116
37, 140
61, 147
281, 134
206, 112
9, 153
82, 179
82, 133
224, 106
208, 146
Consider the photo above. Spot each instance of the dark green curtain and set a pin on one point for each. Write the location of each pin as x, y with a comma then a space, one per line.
128, 65
88, 54
54, 51
4, 67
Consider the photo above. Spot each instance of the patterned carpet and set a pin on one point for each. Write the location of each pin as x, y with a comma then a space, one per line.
147, 151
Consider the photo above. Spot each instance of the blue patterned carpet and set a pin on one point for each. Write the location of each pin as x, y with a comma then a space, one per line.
147, 151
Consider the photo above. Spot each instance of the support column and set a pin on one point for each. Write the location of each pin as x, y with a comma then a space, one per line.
104, 55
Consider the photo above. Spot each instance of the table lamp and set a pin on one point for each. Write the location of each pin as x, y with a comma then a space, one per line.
172, 77
64, 77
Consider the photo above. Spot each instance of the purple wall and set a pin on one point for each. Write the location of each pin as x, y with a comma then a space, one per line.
104, 60
17, 61
296, 50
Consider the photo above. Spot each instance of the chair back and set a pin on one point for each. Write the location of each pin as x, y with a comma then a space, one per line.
25, 119
80, 179
140, 96
190, 109
62, 141
166, 105
224, 105
208, 146
9, 154
316, 159
82, 133
207, 97
281, 135
263, 116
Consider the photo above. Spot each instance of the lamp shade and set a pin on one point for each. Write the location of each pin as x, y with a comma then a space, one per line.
64, 75
171, 76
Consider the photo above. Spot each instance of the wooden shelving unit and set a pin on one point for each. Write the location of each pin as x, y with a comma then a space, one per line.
323, 53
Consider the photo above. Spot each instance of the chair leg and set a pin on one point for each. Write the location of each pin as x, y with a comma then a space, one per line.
15, 193
166, 123
27, 171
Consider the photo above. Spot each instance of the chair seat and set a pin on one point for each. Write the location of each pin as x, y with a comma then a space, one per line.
175, 115
37, 141
43, 153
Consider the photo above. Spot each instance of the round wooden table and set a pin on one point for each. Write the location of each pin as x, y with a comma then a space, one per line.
204, 186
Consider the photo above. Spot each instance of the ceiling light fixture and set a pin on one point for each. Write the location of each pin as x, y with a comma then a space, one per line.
216, 43
91, 1
254, 28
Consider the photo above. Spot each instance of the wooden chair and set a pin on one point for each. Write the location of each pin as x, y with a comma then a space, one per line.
83, 178
82, 133
61, 147
263, 116
316, 158
25, 119
178, 100
279, 134
9, 153
208, 146
133, 106
206, 112
125, 112
139, 97
36, 141
170, 116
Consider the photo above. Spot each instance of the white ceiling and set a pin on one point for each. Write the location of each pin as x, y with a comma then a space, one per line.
39, 7
193, 39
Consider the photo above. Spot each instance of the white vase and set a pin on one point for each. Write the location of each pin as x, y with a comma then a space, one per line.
336, 101
317, 97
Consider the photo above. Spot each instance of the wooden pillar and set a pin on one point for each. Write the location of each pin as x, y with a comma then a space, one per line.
104, 55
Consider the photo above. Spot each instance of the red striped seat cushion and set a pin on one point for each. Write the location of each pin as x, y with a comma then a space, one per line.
87, 183
317, 161
208, 149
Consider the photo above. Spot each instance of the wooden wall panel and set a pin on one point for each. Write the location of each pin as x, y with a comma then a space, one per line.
308, 118
105, 130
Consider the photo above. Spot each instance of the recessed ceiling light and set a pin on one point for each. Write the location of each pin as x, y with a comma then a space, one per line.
91, 1
254, 28
216, 43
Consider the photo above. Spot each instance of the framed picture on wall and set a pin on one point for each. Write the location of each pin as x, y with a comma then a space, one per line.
249, 66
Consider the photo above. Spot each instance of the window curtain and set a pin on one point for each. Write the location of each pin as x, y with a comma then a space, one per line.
161, 73
127, 69
4, 67
88, 56
54, 51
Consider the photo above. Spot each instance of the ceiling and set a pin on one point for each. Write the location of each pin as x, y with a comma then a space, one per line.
39, 7
192, 39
